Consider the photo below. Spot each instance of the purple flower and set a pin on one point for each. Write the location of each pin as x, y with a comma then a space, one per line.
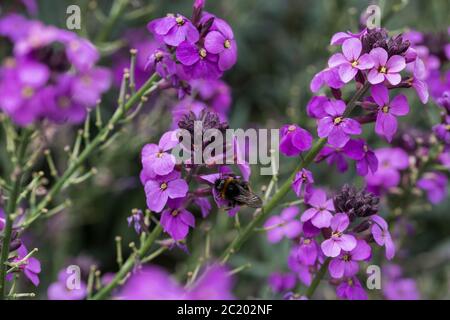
154, 283
334, 156
307, 251
161, 61
366, 159
294, 140
329, 77
31, 268
284, 225
435, 185
340, 37
63, 289
338, 241
282, 282
350, 61
151, 283
176, 220
346, 264
215, 283
88, 86
334, 126
174, 29
386, 124
390, 162
319, 214
302, 182
137, 220
155, 158
316, 107
80, 52
381, 235
418, 83
60, 104
160, 189
304, 272
442, 130
401, 289
21, 84
197, 62
204, 205
221, 41
397, 287
385, 69
351, 289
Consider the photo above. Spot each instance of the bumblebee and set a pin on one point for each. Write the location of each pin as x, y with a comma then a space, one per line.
237, 192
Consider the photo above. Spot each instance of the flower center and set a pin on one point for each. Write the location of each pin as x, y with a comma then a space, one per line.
10, 62
336, 234
350, 282
385, 109
383, 69
291, 128
179, 20
27, 92
63, 102
337, 120
355, 63
366, 148
160, 154
447, 127
346, 257
202, 53
175, 213
163, 186
227, 44
158, 56
307, 241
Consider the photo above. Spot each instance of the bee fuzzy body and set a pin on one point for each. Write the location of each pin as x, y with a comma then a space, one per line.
237, 192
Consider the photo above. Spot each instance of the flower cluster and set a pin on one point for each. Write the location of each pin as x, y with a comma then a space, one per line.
189, 49
192, 54
339, 230
50, 74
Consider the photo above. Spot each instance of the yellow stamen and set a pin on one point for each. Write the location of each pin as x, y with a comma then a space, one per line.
27, 92
163, 186
158, 56
179, 20
338, 120
63, 102
160, 154
355, 63
291, 128
383, 69
175, 213
385, 109
307, 241
202, 53
447, 127
227, 44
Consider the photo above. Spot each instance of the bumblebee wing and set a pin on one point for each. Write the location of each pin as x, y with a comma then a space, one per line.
247, 197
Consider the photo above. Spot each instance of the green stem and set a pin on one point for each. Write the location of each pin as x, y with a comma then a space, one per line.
12, 206
89, 149
128, 265
114, 14
319, 275
284, 189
